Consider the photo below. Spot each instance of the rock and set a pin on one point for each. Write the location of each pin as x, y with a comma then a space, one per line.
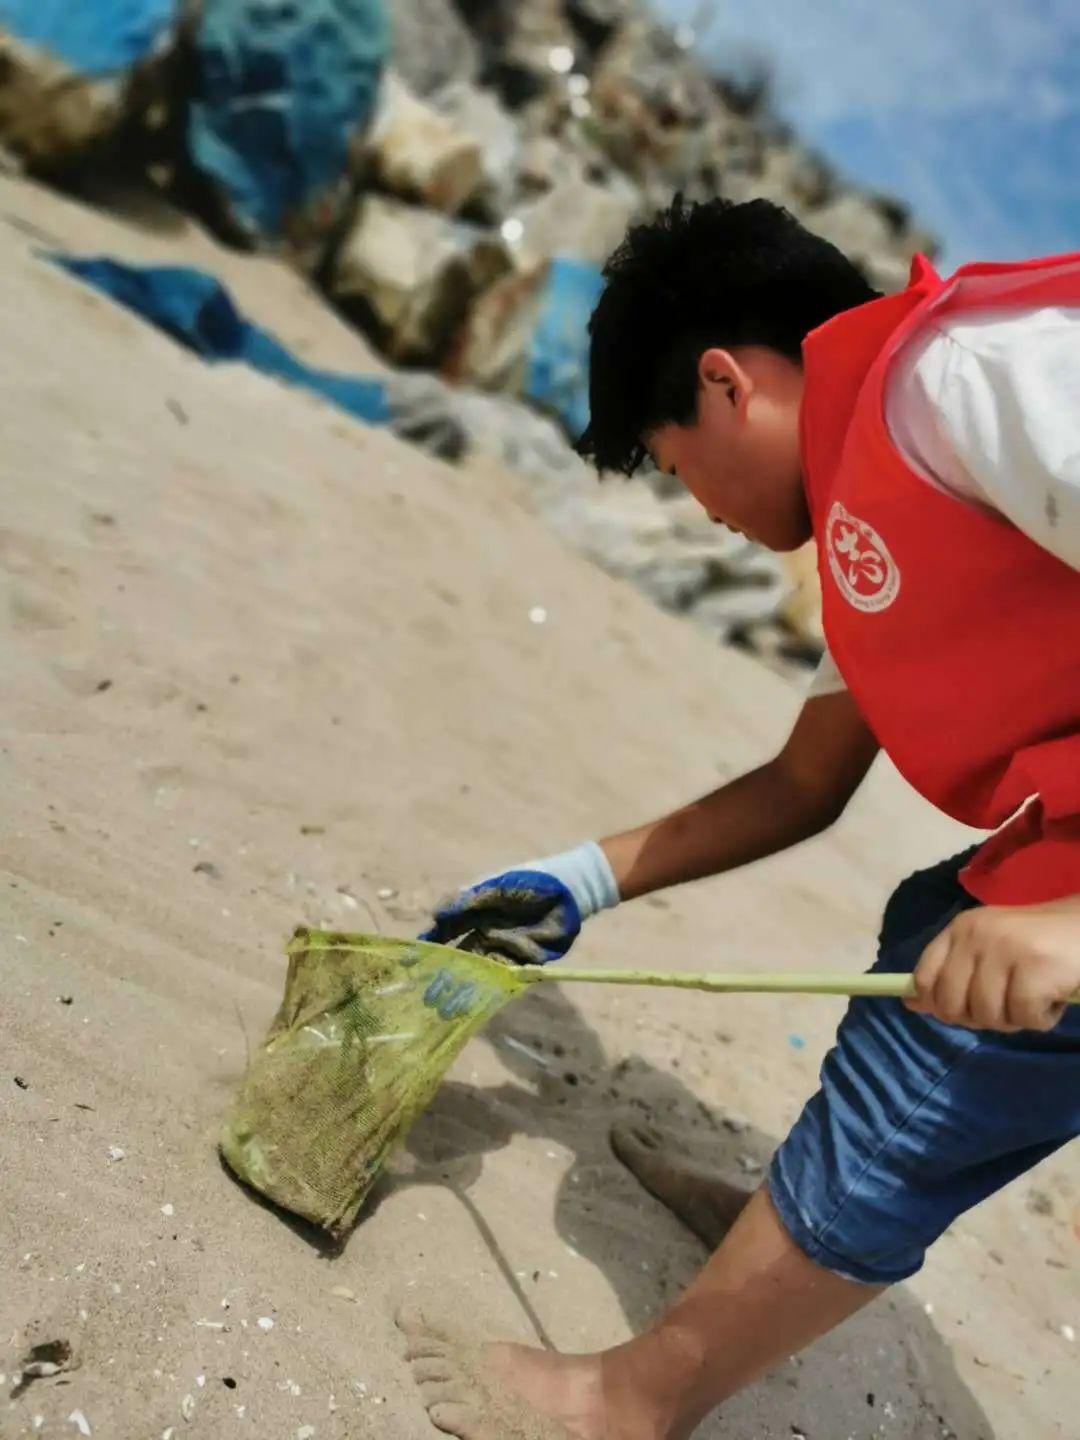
51, 117
409, 275
422, 412
418, 152
478, 113
667, 547
795, 177
575, 216
543, 160
492, 348
655, 111
859, 228
431, 45
524, 35
524, 47
67, 93
595, 21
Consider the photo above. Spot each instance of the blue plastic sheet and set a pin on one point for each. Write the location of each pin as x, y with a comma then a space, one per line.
282, 88
95, 37
196, 309
557, 377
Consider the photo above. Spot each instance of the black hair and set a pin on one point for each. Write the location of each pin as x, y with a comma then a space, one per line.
695, 276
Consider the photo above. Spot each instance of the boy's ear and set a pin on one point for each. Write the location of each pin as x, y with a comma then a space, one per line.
720, 368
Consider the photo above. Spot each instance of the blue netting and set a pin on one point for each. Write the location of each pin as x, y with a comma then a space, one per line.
282, 87
558, 370
196, 309
95, 37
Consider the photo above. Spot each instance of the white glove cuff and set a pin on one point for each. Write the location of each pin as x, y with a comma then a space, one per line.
586, 873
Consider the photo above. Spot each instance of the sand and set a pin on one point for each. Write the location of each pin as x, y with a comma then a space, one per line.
263, 666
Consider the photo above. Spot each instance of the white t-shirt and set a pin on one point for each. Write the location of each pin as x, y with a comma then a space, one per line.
986, 405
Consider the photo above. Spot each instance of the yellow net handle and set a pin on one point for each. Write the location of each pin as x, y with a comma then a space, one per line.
900, 987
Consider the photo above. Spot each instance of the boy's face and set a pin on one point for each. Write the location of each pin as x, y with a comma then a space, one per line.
740, 458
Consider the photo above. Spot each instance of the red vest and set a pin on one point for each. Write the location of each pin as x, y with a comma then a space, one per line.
957, 636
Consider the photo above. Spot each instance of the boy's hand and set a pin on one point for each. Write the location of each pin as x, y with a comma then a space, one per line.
1002, 967
531, 914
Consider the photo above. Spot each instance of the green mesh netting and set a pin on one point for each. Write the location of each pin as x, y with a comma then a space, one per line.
366, 1031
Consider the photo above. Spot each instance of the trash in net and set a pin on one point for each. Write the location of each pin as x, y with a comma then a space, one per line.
365, 1033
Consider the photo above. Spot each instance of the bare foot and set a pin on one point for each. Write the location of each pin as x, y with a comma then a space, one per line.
513, 1392
704, 1203
500, 1392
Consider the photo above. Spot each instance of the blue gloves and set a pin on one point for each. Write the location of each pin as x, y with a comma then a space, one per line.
533, 913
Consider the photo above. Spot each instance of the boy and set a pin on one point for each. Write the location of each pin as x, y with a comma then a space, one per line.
928, 441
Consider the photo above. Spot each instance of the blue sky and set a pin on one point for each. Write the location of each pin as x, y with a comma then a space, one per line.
968, 109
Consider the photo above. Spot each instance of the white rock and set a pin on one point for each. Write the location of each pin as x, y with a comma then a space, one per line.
420, 153
432, 45
413, 274
478, 113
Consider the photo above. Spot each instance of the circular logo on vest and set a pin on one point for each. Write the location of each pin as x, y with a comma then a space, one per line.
864, 571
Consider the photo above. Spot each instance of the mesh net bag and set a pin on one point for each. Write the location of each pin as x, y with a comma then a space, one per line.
366, 1030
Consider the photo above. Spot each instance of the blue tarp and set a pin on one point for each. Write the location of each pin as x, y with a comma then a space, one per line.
282, 87
196, 309
558, 370
95, 37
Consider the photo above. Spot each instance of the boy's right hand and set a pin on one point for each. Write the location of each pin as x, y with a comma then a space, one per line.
533, 913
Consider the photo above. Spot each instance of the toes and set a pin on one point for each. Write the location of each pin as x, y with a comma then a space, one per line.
442, 1392
424, 1338
426, 1347
428, 1368
453, 1418
410, 1319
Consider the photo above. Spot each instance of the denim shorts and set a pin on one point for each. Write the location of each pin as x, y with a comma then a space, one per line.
917, 1121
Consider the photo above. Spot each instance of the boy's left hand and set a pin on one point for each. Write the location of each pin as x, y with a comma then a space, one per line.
1002, 967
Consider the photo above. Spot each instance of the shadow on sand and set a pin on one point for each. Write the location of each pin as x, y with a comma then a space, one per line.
885, 1372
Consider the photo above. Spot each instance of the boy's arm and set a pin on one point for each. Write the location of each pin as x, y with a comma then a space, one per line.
533, 912
794, 796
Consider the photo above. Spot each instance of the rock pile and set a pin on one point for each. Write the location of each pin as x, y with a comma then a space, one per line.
510, 145
587, 115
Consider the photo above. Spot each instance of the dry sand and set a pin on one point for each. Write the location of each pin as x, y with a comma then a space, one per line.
264, 666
